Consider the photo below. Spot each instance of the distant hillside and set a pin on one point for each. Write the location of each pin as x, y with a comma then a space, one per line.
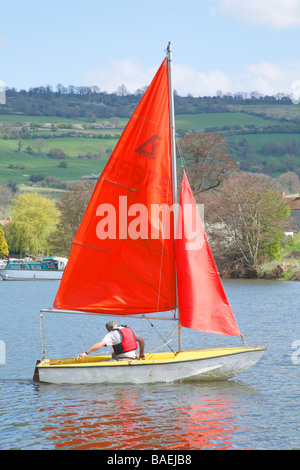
51, 138
91, 103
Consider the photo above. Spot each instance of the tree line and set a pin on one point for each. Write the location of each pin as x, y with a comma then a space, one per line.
92, 102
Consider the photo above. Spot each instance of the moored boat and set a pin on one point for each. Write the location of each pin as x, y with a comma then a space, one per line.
51, 268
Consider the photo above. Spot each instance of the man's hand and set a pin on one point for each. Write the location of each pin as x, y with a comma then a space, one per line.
82, 355
92, 349
142, 356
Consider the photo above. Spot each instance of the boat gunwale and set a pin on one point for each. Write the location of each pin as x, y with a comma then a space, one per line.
147, 362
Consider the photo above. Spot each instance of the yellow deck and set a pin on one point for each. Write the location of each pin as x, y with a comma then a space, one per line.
151, 358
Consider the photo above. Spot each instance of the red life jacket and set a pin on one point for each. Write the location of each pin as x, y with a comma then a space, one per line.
128, 341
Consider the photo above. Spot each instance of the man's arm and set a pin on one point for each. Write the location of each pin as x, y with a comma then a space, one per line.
92, 349
142, 346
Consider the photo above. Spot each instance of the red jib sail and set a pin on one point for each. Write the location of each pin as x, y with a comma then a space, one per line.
201, 298
120, 261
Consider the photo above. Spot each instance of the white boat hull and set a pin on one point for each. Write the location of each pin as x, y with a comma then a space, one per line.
203, 365
29, 275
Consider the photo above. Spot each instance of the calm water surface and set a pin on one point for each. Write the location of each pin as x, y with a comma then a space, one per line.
257, 410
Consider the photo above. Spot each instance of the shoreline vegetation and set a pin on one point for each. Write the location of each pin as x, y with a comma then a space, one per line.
273, 270
286, 268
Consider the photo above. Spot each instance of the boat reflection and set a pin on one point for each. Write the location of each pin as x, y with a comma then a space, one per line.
177, 416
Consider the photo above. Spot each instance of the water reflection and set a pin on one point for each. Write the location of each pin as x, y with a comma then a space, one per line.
177, 416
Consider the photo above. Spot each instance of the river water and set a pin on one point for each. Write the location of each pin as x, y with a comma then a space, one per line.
257, 410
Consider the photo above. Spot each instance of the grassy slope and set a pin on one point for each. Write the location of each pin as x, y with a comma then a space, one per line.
87, 140
196, 122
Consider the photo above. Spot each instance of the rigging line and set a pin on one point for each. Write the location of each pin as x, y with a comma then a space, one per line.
164, 339
181, 157
158, 347
42, 336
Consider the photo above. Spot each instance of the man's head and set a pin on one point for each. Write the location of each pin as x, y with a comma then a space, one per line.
110, 325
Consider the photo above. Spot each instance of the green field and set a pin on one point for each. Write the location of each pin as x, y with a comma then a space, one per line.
272, 164
272, 111
257, 140
80, 139
21, 119
26, 165
197, 122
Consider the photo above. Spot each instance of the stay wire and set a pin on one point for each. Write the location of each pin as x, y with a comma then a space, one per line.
161, 336
179, 152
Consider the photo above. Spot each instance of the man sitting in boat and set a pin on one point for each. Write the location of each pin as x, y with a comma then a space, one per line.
123, 341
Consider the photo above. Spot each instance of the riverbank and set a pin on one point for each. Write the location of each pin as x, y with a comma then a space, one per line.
281, 270
287, 270
286, 267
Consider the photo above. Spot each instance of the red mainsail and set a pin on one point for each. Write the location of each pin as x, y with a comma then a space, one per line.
201, 298
120, 261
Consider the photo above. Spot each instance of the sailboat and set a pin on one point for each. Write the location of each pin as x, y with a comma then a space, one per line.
139, 253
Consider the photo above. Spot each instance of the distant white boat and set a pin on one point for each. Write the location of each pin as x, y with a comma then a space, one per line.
3, 263
48, 269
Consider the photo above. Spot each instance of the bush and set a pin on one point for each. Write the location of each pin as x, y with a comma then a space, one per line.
56, 153
63, 164
36, 177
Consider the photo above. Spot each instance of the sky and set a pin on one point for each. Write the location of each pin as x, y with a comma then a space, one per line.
227, 46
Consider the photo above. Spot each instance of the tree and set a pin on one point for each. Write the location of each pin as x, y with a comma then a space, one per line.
289, 182
246, 219
20, 145
122, 90
34, 218
40, 145
4, 251
6, 195
206, 159
72, 208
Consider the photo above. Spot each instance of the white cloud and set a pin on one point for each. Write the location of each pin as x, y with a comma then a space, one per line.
125, 72
266, 78
295, 95
187, 80
278, 14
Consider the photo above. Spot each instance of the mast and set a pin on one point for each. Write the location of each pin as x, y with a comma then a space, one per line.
173, 160
172, 124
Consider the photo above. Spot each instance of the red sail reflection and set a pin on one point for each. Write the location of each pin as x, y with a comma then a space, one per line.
129, 422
